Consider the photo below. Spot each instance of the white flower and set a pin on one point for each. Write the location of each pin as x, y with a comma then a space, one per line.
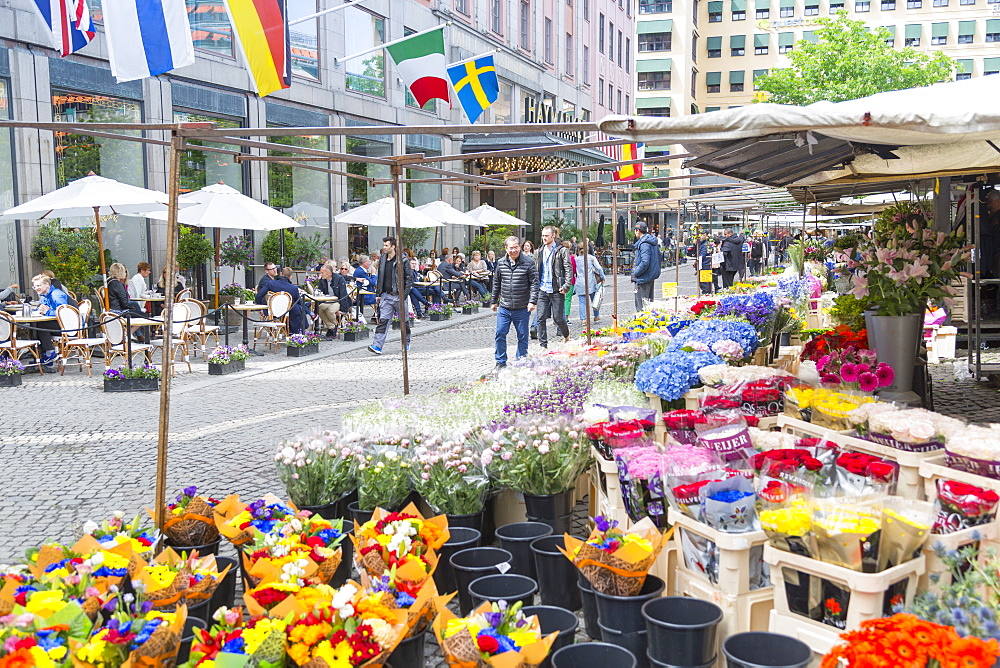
90, 526
543, 449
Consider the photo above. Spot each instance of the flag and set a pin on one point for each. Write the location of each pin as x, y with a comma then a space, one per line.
147, 37
261, 30
633, 170
70, 23
476, 85
421, 64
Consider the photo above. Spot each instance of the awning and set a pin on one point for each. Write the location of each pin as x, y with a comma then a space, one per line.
810, 36
913, 30
653, 65
652, 102
966, 27
663, 25
965, 66
787, 4
714, 43
758, 73
992, 26
739, 5
714, 7
713, 78
762, 4
476, 143
991, 65
761, 40
891, 29
736, 76
939, 30
786, 38
737, 41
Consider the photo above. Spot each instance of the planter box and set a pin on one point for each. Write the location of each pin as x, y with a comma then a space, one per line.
12, 380
302, 351
225, 369
132, 385
357, 336
470, 310
438, 317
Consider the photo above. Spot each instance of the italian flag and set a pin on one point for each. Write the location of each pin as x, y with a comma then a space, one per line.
421, 63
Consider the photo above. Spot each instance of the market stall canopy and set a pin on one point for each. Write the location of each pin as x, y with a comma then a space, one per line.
488, 215
446, 213
219, 205
82, 196
839, 148
382, 213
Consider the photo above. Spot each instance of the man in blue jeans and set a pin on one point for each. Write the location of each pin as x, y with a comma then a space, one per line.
514, 295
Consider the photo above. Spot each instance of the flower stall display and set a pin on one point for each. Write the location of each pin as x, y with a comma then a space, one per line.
317, 468
913, 430
404, 541
614, 561
240, 522
170, 579
235, 641
704, 335
415, 598
296, 547
496, 634
536, 454
960, 506
117, 530
670, 375
449, 475
286, 599
190, 519
133, 636
42, 637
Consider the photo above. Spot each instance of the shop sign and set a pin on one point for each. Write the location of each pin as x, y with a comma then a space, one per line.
534, 112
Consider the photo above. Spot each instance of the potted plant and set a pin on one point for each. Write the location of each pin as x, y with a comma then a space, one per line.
470, 307
145, 378
439, 312
227, 359
236, 251
10, 372
395, 322
235, 293
300, 345
355, 331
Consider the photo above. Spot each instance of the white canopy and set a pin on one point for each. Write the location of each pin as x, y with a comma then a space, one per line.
219, 205
82, 196
382, 213
488, 215
446, 213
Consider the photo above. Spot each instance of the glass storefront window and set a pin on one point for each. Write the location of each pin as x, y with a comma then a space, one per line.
418, 194
362, 30
569, 199
210, 28
303, 194
9, 251
501, 108
304, 39
358, 191
200, 168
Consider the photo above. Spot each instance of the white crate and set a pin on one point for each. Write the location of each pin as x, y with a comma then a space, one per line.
665, 566
741, 613
660, 429
820, 640
985, 534
607, 490
734, 552
768, 423
934, 468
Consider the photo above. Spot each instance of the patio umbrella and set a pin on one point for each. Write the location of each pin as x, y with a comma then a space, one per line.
599, 242
92, 195
382, 213
488, 215
622, 231
446, 213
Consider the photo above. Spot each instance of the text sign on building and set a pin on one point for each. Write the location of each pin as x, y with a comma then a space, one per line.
545, 114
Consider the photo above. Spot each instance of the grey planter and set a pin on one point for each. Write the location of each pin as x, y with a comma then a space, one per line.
357, 336
132, 385
226, 369
302, 351
895, 339
470, 310
438, 317
13, 380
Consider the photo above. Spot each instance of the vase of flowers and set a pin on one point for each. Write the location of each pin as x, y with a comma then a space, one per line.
227, 359
145, 378
355, 331
10, 372
449, 477
235, 293
317, 469
300, 345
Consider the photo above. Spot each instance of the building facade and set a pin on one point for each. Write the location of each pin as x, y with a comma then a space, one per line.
545, 60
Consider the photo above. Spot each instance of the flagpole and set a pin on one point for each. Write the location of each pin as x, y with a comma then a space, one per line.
471, 58
325, 12
392, 43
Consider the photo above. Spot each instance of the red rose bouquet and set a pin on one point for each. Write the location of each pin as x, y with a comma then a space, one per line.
960, 505
681, 425
859, 473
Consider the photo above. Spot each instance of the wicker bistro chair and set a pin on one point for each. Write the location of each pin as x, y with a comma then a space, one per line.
74, 343
113, 346
9, 345
199, 332
184, 294
180, 338
84, 307
275, 326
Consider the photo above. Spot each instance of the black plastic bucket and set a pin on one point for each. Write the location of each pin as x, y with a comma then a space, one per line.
507, 587
328, 511
472, 564
758, 649
409, 653
187, 638
653, 663
589, 603
554, 620
516, 538
225, 592
681, 630
560, 524
624, 613
357, 514
471, 521
461, 539
346, 567
593, 654
203, 550
635, 642
549, 506
556, 573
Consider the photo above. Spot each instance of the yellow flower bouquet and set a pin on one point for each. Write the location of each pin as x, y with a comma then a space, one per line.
170, 579
616, 562
494, 635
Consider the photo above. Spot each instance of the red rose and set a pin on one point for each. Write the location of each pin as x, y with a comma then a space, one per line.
487, 644
882, 471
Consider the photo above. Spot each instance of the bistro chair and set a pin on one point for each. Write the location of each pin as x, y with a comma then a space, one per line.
180, 337
11, 346
113, 328
184, 294
73, 343
275, 326
198, 332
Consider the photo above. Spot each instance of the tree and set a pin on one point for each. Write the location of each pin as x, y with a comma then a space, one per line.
649, 191
850, 61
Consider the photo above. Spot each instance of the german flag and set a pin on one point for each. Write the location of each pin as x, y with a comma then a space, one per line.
633, 170
261, 29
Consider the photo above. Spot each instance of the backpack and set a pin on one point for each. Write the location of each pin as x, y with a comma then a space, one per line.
654, 258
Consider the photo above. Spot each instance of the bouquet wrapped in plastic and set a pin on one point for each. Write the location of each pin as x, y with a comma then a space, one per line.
258, 642
729, 505
496, 635
616, 562
311, 544
846, 531
960, 506
190, 519
134, 636
403, 540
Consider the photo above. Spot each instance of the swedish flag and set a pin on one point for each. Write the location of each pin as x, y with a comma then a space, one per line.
475, 82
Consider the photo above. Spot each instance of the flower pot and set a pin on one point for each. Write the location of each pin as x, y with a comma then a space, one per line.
461, 538
327, 511
765, 650
345, 501
506, 587
549, 506
590, 654
470, 310
895, 339
132, 385
554, 620
187, 637
635, 642
556, 573
409, 653
681, 630
202, 550
346, 567
470, 521
624, 613
438, 317
517, 538
302, 351
472, 564
11, 380
358, 514
589, 604
226, 591
559, 525
356, 336
224, 369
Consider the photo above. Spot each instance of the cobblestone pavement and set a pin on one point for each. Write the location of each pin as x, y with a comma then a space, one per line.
963, 397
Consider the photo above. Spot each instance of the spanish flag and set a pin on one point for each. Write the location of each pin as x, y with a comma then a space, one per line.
261, 30
633, 170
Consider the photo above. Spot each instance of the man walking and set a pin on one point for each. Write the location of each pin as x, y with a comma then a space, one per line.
514, 295
389, 295
733, 259
555, 272
646, 266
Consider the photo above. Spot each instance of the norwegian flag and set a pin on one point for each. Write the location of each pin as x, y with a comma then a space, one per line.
70, 23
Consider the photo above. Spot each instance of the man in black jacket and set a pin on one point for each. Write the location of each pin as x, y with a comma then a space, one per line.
514, 295
331, 284
555, 276
390, 300
454, 279
733, 258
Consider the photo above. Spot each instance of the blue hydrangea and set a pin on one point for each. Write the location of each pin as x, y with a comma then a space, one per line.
710, 332
756, 308
671, 374
697, 360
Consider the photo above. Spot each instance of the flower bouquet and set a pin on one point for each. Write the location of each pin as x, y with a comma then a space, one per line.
960, 506
912, 430
295, 547
449, 476
281, 599
190, 519
317, 469
233, 641
416, 598
42, 637
831, 407
404, 540
114, 531
616, 562
854, 369
539, 454
134, 636
239, 522
976, 450
840, 338
497, 635
383, 474
171, 580
84, 573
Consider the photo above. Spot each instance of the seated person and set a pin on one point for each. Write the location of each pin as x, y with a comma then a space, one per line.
270, 273
118, 300
479, 273
161, 289
416, 298
333, 285
450, 273
296, 316
50, 298
9, 294
365, 280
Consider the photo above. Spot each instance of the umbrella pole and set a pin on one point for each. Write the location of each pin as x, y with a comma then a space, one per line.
614, 257
176, 143
100, 250
218, 239
404, 312
435, 244
586, 255
677, 260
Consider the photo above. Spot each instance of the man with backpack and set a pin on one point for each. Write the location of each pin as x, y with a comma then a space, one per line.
646, 266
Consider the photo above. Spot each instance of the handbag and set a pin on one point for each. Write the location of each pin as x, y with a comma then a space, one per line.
595, 303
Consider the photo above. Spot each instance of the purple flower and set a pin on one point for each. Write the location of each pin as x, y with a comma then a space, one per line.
190, 491
604, 524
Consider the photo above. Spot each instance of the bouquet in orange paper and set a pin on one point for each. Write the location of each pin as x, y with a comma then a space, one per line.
189, 519
291, 541
495, 634
281, 600
232, 641
239, 522
616, 562
117, 530
134, 636
83, 573
416, 598
170, 579
403, 540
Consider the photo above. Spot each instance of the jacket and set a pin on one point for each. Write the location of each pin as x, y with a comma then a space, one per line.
646, 266
515, 283
281, 284
336, 287
705, 253
562, 268
596, 273
118, 296
732, 251
53, 299
386, 283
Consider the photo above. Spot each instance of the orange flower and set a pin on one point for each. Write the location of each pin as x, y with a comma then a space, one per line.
910, 654
368, 608
970, 653
432, 535
309, 634
18, 659
299, 654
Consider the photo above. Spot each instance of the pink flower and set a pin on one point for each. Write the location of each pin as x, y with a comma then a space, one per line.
830, 379
848, 372
823, 361
868, 382
861, 368
885, 375
860, 288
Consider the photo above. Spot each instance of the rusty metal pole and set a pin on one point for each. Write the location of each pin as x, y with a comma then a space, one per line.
586, 255
614, 258
404, 312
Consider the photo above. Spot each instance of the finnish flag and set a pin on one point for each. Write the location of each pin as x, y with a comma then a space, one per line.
147, 37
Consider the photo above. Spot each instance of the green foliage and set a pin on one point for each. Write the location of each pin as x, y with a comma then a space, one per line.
495, 234
72, 255
193, 248
299, 251
270, 248
845, 241
850, 61
414, 237
649, 191
849, 310
236, 251
797, 256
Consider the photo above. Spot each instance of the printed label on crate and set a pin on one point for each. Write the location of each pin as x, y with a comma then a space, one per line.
684, 436
889, 441
733, 443
761, 409
984, 467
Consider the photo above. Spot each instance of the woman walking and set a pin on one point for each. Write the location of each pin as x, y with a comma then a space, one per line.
588, 266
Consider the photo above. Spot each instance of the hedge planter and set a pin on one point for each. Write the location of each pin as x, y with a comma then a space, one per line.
357, 336
302, 351
225, 369
13, 380
438, 317
470, 310
132, 385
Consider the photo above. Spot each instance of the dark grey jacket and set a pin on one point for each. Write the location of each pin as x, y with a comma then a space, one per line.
388, 283
732, 250
562, 268
515, 283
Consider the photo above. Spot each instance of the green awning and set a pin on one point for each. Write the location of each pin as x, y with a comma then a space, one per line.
714, 43
913, 30
739, 5
663, 25
737, 41
736, 76
762, 4
714, 7
652, 102
761, 40
965, 66
991, 65
713, 78
758, 73
786, 38
810, 36
992, 25
966, 27
892, 30
939, 30
653, 65
787, 4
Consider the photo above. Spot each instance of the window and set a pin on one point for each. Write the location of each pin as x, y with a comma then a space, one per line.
694, 82
785, 41
611, 41
611, 95
655, 7
888, 5
569, 54
914, 4
694, 13
714, 47
628, 7
502, 108
600, 91
862, 6
714, 17
961, 76
210, 28
525, 24
547, 44
462, 6
586, 10
694, 47
761, 43
8, 229
737, 44
737, 52
496, 12
736, 81
362, 30
939, 40
628, 55
655, 41
739, 16
600, 33
714, 88
713, 82
621, 37
965, 39
966, 2
991, 66
966, 32
939, 33
304, 40
708, 109
913, 35
836, 6
757, 74
586, 64
654, 80
940, 3
786, 12
628, 108
654, 111
619, 100
762, 14
811, 10
992, 36
890, 41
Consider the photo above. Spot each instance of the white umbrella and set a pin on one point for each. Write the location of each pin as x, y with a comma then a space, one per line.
220, 205
446, 213
92, 195
488, 215
382, 213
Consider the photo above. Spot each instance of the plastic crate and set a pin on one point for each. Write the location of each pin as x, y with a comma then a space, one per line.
769, 423
665, 566
607, 498
819, 637
986, 534
934, 468
734, 553
741, 613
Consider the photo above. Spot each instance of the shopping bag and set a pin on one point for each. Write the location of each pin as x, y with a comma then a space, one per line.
595, 301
